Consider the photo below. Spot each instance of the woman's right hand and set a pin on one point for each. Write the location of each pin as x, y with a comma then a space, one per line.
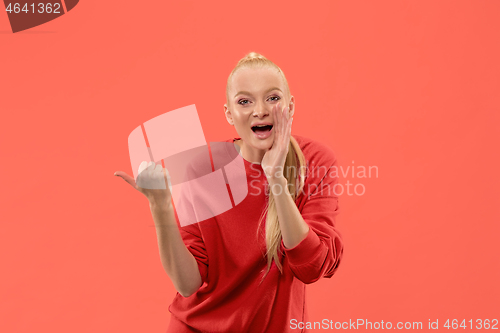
152, 181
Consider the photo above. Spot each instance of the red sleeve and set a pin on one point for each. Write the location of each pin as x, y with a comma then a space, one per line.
194, 243
319, 254
191, 233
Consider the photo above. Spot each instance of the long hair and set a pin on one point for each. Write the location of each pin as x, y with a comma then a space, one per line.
293, 170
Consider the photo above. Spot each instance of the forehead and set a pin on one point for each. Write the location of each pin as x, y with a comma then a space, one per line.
256, 79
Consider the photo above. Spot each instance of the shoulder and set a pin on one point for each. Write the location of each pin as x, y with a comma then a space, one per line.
317, 151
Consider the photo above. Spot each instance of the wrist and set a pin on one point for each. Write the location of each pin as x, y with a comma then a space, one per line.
278, 185
160, 205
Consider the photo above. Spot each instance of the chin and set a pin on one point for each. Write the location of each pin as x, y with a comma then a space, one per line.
263, 144
256, 143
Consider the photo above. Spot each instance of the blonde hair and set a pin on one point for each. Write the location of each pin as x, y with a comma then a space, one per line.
294, 161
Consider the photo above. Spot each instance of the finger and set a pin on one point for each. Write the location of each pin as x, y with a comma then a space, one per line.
162, 174
142, 167
277, 121
282, 125
151, 168
275, 127
287, 133
284, 117
158, 172
126, 178
167, 177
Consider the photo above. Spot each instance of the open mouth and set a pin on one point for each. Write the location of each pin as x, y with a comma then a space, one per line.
261, 129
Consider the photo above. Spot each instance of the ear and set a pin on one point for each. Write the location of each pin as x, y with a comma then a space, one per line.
229, 116
292, 106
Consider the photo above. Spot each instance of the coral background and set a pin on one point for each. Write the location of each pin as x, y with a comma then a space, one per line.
410, 87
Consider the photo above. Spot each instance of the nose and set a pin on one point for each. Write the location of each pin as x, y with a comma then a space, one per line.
260, 110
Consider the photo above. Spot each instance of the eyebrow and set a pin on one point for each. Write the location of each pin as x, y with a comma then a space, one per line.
247, 93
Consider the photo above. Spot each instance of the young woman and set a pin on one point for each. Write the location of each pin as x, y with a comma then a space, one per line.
246, 270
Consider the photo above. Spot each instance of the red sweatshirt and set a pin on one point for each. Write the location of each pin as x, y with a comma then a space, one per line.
232, 261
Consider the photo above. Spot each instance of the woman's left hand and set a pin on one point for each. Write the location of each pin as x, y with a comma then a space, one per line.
273, 161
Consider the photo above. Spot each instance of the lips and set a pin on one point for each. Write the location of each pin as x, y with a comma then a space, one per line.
262, 131
262, 128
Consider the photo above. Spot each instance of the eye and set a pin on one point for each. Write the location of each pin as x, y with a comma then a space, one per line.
277, 98
242, 100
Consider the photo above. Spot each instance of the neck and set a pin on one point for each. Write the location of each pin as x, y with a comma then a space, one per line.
250, 154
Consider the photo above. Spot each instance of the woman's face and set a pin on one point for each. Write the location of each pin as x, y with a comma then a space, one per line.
253, 93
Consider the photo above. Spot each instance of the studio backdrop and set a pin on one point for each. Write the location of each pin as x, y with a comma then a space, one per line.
406, 93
